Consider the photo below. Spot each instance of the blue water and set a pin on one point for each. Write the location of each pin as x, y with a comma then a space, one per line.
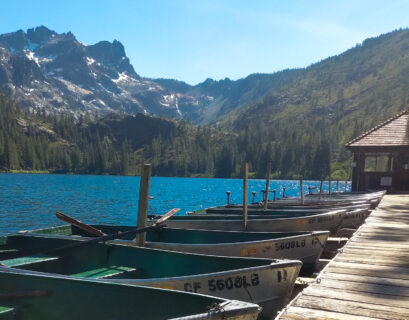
30, 201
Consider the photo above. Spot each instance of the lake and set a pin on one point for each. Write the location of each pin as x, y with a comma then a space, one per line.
29, 201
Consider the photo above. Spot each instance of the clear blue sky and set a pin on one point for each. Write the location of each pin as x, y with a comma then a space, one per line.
192, 40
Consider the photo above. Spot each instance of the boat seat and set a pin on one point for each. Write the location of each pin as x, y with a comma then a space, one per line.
6, 253
6, 313
104, 272
28, 260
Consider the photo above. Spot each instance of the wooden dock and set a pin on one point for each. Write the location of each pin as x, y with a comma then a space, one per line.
369, 278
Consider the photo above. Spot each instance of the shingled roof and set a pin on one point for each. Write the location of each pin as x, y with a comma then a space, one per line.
390, 133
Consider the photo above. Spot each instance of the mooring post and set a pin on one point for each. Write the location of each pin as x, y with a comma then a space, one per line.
283, 196
228, 196
254, 195
245, 184
337, 186
319, 197
274, 192
302, 191
267, 185
143, 202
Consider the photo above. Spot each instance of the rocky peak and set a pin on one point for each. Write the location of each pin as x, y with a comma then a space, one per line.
40, 34
14, 41
112, 54
107, 52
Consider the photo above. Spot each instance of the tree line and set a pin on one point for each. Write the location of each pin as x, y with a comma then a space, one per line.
113, 145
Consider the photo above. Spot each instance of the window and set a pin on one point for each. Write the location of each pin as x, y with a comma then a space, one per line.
378, 162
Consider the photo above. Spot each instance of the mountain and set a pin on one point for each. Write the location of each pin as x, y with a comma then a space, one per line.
54, 72
44, 70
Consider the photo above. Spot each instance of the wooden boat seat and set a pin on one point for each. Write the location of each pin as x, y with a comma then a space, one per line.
28, 260
104, 272
6, 313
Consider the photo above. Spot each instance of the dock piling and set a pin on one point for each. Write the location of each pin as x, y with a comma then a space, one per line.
319, 197
143, 202
245, 185
267, 185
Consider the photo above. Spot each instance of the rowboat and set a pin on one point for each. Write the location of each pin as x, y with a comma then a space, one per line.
303, 245
284, 210
265, 282
354, 216
330, 220
349, 195
313, 203
27, 295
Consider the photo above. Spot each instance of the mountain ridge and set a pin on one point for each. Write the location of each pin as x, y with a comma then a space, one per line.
44, 70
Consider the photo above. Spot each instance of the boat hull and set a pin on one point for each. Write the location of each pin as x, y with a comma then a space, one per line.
353, 219
324, 221
245, 279
269, 287
64, 298
307, 248
304, 246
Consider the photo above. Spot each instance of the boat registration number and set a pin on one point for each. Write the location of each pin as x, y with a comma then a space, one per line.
225, 284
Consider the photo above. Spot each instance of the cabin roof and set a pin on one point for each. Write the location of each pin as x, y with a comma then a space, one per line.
393, 132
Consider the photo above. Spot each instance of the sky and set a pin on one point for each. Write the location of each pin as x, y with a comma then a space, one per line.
192, 40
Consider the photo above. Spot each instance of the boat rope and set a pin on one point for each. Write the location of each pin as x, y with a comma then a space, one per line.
320, 243
303, 282
217, 307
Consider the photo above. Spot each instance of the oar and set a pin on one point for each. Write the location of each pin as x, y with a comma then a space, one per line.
94, 231
79, 224
119, 235
158, 224
23, 294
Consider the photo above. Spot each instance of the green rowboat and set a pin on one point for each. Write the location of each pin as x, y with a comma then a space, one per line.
26, 295
305, 246
262, 281
330, 220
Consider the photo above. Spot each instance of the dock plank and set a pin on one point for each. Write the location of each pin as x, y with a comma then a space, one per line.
340, 294
365, 287
298, 313
369, 277
366, 279
353, 308
368, 270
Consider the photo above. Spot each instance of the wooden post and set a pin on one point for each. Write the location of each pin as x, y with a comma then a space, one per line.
337, 185
329, 186
319, 197
245, 184
302, 191
143, 202
267, 185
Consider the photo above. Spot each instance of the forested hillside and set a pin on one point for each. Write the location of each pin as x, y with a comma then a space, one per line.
119, 144
328, 104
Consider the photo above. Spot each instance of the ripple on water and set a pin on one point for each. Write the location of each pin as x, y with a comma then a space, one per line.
30, 201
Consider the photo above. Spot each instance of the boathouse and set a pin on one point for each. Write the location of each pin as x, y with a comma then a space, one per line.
381, 156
